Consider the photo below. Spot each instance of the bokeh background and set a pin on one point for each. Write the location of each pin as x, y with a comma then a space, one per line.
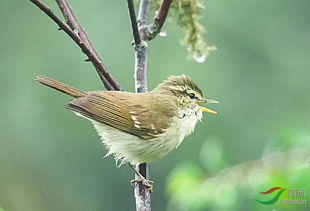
52, 160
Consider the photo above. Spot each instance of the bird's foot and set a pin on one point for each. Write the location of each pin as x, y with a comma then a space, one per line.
147, 183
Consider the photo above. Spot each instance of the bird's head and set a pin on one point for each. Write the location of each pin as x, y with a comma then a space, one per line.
186, 92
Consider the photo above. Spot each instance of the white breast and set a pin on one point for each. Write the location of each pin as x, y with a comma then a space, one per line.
186, 125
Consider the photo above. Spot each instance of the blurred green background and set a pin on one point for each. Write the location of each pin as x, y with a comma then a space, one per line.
52, 160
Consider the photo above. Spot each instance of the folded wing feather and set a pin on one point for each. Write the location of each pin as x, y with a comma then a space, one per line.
125, 111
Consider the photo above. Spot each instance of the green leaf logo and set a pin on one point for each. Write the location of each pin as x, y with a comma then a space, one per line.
275, 198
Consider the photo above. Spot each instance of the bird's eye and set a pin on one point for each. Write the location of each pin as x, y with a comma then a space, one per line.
191, 95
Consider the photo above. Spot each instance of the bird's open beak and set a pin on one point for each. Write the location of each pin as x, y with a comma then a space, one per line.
206, 109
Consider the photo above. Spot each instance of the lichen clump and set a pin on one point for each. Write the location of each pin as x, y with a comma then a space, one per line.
187, 14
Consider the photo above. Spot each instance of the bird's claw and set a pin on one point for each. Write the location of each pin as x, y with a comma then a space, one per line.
147, 183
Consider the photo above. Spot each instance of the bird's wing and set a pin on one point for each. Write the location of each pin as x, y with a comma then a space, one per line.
125, 111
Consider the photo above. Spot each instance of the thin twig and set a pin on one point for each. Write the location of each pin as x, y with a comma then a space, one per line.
133, 20
104, 75
159, 20
142, 193
143, 12
74, 24
141, 50
162, 13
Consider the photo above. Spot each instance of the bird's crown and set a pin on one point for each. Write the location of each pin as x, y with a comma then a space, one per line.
181, 84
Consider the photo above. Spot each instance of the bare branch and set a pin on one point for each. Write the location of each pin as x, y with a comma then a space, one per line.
75, 25
159, 20
162, 13
104, 75
141, 50
133, 20
142, 193
77, 28
143, 12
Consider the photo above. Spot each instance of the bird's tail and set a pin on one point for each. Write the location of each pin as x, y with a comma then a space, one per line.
60, 86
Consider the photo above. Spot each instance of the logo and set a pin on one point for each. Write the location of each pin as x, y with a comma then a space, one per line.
294, 196
275, 198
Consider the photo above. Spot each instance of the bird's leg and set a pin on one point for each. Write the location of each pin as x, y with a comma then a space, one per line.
145, 182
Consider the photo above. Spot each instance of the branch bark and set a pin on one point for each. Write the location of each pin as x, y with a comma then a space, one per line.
134, 24
75, 26
106, 78
142, 193
141, 50
159, 20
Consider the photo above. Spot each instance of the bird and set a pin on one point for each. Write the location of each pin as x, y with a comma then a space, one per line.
139, 127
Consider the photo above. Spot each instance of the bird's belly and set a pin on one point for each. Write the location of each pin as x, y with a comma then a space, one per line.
129, 148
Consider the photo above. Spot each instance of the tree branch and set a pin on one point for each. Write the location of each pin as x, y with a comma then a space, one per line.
133, 20
143, 12
74, 24
159, 20
102, 71
141, 50
142, 193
